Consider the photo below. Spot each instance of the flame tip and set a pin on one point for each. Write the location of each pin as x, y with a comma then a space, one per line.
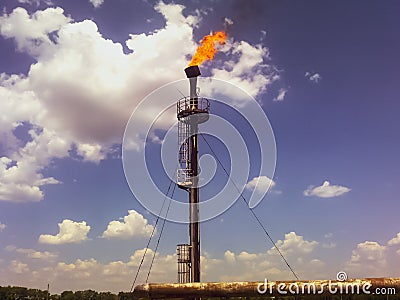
207, 50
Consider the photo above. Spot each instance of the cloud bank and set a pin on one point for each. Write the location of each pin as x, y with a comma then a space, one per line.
80, 91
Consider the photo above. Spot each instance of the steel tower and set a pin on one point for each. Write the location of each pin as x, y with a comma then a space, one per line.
191, 111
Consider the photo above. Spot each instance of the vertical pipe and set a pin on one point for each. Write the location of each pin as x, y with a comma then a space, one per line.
194, 207
193, 87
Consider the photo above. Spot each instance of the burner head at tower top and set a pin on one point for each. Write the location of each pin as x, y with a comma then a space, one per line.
192, 71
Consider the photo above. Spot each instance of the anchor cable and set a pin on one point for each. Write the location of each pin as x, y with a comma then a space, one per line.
251, 210
151, 236
161, 232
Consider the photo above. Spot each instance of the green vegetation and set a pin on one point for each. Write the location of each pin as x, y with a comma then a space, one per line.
88, 294
22, 293
15, 292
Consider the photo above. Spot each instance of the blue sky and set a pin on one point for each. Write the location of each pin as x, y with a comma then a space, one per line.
325, 74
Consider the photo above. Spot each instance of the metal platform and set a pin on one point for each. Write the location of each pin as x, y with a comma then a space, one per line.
193, 110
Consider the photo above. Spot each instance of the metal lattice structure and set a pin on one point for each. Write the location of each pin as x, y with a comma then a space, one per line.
183, 253
190, 112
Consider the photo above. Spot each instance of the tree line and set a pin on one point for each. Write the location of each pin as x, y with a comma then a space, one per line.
22, 293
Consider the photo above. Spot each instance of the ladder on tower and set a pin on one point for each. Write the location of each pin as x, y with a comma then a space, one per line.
189, 111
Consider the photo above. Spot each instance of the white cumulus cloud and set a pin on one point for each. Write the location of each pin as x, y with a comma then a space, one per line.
70, 232
281, 95
294, 243
395, 240
96, 3
133, 225
260, 184
326, 190
368, 259
246, 68
32, 33
2, 226
373, 259
20, 179
314, 77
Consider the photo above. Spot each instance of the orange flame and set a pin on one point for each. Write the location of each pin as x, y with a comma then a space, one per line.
207, 50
